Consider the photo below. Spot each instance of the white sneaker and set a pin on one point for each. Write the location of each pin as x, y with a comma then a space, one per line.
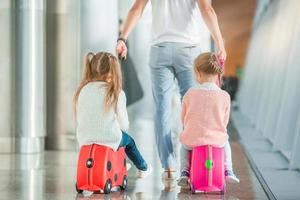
169, 175
183, 180
144, 174
128, 166
169, 185
231, 177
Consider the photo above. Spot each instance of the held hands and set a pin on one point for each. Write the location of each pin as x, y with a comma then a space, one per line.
121, 49
222, 54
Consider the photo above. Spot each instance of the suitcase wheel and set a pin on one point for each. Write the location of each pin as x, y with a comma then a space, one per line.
223, 190
124, 183
107, 187
77, 189
193, 189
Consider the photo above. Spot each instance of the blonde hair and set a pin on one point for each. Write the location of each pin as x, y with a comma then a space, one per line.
208, 63
102, 66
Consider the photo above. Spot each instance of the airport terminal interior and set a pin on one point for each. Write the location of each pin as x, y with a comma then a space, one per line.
41, 54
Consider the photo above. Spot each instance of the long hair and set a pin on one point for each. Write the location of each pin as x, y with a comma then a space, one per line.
101, 66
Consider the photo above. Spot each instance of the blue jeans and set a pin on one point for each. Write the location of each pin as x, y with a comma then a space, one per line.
132, 152
169, 61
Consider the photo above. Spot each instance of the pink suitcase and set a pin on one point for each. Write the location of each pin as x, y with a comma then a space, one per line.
207, 170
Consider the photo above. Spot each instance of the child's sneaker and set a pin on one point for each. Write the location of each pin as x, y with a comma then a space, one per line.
128, 166
183, 181
144, 174
231, 177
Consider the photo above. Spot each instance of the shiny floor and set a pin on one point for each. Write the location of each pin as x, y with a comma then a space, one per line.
51, 175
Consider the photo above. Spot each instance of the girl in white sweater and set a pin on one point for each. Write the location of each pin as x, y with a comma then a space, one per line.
100, 107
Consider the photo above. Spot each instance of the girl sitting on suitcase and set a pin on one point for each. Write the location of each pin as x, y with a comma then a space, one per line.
205, 115
100, 106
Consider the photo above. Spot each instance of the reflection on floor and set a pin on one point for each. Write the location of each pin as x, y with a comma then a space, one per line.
51, 175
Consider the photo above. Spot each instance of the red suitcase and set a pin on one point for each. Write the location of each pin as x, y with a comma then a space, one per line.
100, 169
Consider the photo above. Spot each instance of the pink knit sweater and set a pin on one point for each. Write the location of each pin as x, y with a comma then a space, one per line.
205, 115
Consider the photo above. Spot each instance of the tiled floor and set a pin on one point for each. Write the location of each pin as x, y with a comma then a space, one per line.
272, 165
51, 175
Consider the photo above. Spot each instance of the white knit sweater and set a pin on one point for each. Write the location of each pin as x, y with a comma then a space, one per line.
95, 126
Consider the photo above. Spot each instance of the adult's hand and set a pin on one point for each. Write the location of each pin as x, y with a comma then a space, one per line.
133, 16
121, 49
222, 55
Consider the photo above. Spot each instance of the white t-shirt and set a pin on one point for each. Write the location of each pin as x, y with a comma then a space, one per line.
93, 124
176, 21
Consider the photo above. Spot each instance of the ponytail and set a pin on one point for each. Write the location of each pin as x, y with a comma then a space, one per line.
87, 70
86, 77
218, 64
114, 86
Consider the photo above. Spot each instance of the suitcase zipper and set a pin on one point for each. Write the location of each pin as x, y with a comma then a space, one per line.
89, 169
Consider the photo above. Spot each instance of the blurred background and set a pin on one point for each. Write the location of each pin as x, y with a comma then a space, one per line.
41, 50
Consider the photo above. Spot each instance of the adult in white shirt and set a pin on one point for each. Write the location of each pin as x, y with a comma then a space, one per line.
175, 43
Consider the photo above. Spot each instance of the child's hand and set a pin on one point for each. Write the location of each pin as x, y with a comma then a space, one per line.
121, 49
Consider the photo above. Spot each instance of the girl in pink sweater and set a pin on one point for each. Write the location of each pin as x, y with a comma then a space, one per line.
205, 115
